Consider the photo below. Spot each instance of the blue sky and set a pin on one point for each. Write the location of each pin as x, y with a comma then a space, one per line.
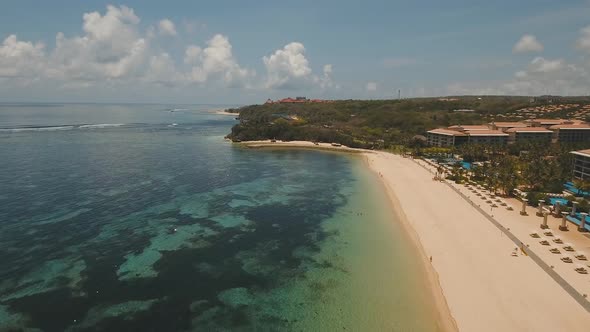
241, 52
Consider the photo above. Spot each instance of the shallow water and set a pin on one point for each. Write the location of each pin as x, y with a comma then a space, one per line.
145, 225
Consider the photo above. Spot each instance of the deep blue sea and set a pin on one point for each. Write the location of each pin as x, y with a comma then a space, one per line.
143, 218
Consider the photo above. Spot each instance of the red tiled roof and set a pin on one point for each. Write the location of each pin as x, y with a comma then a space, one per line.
509, 124
585, 153
529, 129
487, 133
448, 132
569, 126
469, 127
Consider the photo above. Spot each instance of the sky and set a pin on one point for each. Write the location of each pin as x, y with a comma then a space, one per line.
241, 52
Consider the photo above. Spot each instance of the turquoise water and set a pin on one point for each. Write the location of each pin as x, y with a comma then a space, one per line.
570, 186
554, 200
136, 218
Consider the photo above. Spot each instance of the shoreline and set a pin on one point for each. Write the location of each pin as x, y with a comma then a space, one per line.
472, 268
267, 144
223, 112
472, 260
444, 315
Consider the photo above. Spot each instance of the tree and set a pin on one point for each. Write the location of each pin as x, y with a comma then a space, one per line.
507, 174
581, 186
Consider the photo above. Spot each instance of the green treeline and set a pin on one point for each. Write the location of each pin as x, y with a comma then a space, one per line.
369, 124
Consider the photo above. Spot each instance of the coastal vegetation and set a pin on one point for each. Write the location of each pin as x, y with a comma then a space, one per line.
399, 125
538, 170
382, 124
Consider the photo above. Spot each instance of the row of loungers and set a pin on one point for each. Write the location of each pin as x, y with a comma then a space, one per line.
565, 246
493, 200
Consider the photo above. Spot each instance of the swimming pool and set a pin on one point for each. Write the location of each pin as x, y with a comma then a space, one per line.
466, 165
562, 201
570, 186
577, 219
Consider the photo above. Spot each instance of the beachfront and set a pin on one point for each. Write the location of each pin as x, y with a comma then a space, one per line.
485, 287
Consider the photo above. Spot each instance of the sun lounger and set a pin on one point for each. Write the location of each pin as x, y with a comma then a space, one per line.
534, 235
580, 256
557, 240
544, 242
555, 251
568, 247
566, 259
548, 232
581, 269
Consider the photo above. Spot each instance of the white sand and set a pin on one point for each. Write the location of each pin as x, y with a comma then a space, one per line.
485, 287
223, 112
301, 145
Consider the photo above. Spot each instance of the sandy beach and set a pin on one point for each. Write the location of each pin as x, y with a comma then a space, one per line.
301, 145
223, 112
485, 287
477, 284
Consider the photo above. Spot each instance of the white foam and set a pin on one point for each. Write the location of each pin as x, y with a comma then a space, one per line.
102, 125
15, 130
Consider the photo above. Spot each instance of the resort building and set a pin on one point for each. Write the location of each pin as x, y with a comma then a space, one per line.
537, 130
456, 135
487, 137
581, 164
468, 128
529, 134
503, 126
571, 133
445, 137
549, 122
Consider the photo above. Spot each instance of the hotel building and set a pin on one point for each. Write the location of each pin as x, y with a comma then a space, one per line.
529, 134
571, 133
581, 164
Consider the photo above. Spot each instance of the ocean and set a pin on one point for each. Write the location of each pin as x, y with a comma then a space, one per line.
143, 218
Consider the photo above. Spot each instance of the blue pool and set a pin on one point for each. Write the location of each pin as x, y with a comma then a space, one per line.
578, 220
570, 186
466, 165
561, 201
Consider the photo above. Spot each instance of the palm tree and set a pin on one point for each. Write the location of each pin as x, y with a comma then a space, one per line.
507, 174
582, 186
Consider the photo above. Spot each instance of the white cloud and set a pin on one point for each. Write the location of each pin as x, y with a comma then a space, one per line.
542, 65
583, 42
371, 86
527, 43
325, 81
167, 27
192, 53
287, 67
111, 48
21, 60
541, 76
162, 71
216, 61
